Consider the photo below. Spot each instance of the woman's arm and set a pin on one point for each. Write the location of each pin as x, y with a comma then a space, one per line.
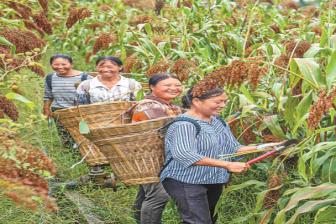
235, 167
48, 97
46, 108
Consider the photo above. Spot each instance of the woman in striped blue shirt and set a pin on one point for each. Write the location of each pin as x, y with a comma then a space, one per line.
194, 175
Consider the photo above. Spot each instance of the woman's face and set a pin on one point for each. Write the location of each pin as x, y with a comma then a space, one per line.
62, 66
167, 89
212, 106
108, 69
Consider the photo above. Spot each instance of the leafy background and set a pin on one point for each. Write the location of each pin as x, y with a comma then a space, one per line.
277, 60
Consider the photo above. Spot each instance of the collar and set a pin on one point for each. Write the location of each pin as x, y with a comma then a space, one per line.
96, 83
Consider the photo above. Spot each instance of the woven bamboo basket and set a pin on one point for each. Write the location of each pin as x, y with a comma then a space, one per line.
134, 151
96, 115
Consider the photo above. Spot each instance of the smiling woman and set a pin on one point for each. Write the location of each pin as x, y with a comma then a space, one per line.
108, 85
60, 90
194, 174
152, 198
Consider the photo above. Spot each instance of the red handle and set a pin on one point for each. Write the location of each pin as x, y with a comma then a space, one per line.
262, 157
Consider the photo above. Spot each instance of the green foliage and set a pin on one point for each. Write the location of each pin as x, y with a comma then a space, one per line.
212, 34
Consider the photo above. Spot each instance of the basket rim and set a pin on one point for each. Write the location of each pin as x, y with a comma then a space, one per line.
156, 120
90, 105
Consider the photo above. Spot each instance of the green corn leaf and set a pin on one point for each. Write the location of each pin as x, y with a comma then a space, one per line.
310, 206
304, 105
273, 125
244, 185
310, 71
18, 97
4, 41
331, 70
328, 173
304, 194
313, 51
326, 215
290, 107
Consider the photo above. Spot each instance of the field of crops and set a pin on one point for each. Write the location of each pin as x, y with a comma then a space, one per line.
276, 59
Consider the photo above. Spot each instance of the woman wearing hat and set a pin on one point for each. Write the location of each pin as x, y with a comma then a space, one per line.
108, 85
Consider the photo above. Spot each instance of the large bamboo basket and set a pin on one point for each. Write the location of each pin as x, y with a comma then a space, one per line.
96, 115
134, 151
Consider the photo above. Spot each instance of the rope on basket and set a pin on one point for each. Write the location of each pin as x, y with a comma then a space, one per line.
84, 157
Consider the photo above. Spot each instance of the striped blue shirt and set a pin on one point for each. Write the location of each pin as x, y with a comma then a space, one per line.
182, 144
62, 91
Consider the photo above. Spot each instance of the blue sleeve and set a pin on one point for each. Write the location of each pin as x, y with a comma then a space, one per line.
183, 147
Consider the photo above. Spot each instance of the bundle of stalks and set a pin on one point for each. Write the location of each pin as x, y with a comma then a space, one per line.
271, 138
77, 14
21, 177
103, 41
239, 71
88, 56
7, 61
317, 30
159, 4
87, 40
273, 195
8, 107
23, 10
160, 67
248, 135
294, 49
140, 19
42, 21
183, 68
244, 3
141, 4
96, 25
289, 4
32, 26
323, 104
160, 38
23, 40
275, 28
44, 5
132, 63
184, 3
310, 11
297, 49
105, 7
37, 70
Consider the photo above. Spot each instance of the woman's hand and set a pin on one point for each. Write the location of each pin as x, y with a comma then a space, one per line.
237, 167
46, 109
47, 112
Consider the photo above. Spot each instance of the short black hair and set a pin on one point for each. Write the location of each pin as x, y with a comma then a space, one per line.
64, 56
156, 78
109, 58
187, 99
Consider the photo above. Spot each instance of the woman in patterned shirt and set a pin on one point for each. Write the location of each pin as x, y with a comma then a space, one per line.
152, 198
108, 85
